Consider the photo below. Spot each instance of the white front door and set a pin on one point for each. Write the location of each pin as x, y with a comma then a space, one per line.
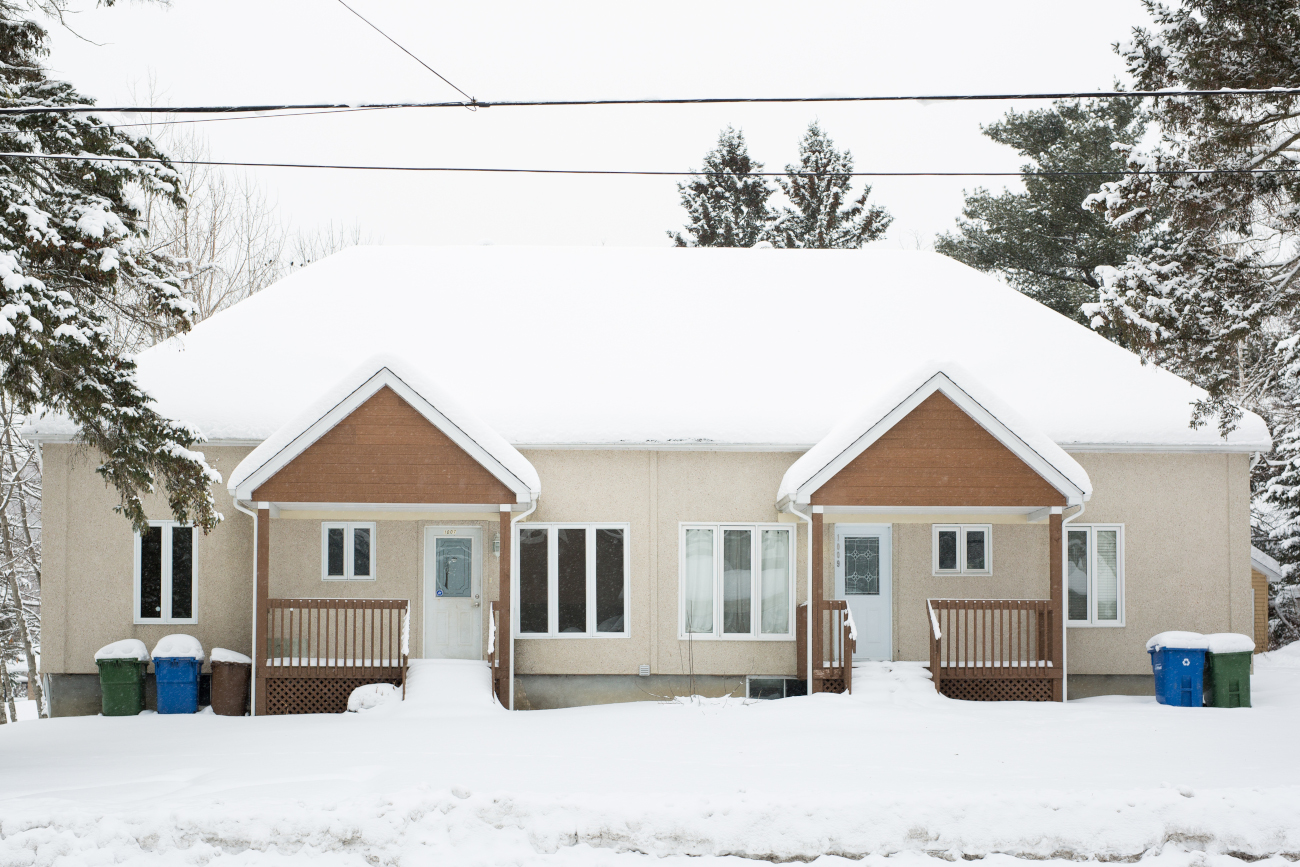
864, 575
453, 593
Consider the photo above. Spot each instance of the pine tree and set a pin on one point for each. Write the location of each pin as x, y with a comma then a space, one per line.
822, 212
726, 201
1216, 300
1042, 240
75, 262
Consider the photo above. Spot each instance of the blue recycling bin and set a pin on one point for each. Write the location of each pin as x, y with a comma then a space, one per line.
1180, 675
178, 683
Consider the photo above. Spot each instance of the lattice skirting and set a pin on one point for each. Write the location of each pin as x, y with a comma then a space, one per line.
997, 690
830, 684
314, 694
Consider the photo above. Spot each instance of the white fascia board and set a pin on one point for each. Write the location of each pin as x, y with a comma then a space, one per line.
1248, 448
1260, 561
982, 416
341, 410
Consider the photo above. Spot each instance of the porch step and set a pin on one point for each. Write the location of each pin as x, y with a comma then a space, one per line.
889, 680
448, 685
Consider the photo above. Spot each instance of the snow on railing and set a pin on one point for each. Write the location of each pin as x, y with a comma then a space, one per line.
934, 620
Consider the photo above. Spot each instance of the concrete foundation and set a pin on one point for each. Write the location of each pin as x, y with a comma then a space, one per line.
550, 691
1089, 685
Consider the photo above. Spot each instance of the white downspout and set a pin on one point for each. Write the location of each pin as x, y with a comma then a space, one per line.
807, 520
1065, 599
252, 687
514, 559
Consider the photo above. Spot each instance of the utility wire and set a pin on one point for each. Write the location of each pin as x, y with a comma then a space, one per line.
89, 158
405, 50
160, 123
553, 103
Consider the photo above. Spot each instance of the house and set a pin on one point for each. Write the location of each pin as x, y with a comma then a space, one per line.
624, 473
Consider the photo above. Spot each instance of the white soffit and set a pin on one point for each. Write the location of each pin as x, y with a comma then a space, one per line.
463, 428
855, 435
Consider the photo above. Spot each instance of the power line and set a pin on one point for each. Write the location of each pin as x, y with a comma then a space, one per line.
727, 100
244, 117
404, 49
644, 173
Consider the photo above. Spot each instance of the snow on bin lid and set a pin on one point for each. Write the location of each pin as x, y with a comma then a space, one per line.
127, 648
1177, 639
220, 654
178, 647
1229, 642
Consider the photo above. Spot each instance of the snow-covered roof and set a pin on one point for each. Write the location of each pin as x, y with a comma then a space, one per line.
857, 432
442, 410
1265, 565
677, 347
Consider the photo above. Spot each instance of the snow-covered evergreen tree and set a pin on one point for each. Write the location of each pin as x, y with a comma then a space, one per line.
822, 211
726, 202
1041, 240
74, 260
1217, 301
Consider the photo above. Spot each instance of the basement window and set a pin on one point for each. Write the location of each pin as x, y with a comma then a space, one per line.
347, 551
165, 569
766, 688
572, 581
962, 549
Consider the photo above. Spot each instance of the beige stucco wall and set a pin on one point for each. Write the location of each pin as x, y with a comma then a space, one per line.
88, 567
654, 491
1187, 558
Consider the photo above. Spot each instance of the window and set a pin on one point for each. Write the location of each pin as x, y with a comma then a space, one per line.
347, 551
737, 581
963, 549
572, 581
1094, 573
774, 687
165, 567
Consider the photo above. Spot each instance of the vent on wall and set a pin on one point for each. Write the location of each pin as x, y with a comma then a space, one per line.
645, 671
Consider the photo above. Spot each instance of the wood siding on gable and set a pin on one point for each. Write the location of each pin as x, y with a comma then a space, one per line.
937, 455
384, 452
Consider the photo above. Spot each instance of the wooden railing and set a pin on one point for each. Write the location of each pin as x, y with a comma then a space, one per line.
992, 639
338, 638
833, 645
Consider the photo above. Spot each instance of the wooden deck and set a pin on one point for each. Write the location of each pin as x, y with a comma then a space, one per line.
319, 650
995, 649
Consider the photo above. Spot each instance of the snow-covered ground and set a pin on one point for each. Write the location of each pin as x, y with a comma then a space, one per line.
893, 771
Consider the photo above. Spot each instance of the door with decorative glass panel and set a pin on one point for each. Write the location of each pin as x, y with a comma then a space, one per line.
864, 576
453, 594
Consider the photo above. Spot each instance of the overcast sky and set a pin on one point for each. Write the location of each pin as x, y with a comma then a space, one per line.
239, 51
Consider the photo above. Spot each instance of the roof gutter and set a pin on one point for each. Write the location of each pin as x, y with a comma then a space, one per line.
789, 508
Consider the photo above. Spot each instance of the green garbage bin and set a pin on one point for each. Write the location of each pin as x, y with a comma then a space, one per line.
122, 683
121, 676
1227, 670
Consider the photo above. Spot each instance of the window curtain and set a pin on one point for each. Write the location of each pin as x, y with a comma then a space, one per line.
775, 558
1076, 571
698, 589
1107, 574
737, 581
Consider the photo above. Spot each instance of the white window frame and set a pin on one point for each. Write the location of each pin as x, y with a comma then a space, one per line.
962, 530
1092, 622
756, 577
553, 585
166, 579
348, 557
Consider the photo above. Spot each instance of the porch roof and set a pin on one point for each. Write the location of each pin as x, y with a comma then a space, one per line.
854, 435
435, 404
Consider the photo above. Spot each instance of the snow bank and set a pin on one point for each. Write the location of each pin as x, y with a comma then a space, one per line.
220, 654
457, 826
127, 648
1178, 639
178, 646
1284, 657
373, 695
1229, 642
